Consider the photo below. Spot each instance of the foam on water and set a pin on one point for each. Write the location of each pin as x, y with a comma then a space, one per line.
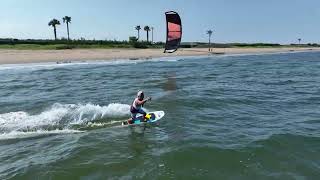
21, 135
58, 119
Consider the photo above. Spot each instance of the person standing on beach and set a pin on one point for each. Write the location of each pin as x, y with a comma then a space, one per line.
136, 107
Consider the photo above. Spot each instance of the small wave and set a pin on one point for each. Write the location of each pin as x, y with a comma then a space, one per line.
98, 125
54, 65
33, 66
21, 135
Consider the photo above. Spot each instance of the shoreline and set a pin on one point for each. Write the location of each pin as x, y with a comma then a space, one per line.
8, 56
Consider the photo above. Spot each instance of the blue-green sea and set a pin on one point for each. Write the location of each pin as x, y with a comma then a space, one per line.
227, 117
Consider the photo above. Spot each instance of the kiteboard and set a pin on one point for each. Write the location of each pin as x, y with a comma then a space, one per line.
151, 117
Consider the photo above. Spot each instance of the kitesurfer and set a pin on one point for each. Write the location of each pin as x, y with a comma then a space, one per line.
136, 107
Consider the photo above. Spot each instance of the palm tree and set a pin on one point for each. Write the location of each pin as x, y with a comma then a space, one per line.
152, 34
138, 28
67, 20
209, 32
299, 40
147, 28
54, 24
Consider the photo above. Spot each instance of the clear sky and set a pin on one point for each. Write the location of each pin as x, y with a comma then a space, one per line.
273, 21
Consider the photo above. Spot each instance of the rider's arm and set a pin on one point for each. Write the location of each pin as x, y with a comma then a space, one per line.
143, 101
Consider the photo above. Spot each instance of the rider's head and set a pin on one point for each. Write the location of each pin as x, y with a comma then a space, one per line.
140, 95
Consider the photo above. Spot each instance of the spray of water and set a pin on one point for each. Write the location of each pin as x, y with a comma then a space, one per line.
60, 118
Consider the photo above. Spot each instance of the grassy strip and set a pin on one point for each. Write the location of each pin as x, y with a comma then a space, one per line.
134, 45
62, 46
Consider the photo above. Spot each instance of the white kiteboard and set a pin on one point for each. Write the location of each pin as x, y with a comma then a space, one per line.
151, 117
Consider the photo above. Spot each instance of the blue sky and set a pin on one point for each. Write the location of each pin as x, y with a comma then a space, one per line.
273, 21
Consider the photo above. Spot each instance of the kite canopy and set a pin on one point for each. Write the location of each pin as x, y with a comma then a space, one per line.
174, 32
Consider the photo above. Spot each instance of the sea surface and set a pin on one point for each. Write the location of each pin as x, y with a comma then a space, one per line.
227, 117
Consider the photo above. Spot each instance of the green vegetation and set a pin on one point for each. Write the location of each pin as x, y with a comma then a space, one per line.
33, 44
36, 44
270, 45
243, 45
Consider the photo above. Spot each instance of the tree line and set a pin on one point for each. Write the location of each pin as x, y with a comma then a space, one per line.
67, 20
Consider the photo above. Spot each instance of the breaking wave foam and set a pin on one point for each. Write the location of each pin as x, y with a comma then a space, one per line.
59, 118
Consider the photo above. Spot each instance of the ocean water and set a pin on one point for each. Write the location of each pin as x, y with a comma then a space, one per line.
227, 117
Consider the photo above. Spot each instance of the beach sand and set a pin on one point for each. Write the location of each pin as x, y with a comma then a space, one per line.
38, 56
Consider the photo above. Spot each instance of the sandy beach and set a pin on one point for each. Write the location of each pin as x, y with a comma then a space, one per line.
38, 56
